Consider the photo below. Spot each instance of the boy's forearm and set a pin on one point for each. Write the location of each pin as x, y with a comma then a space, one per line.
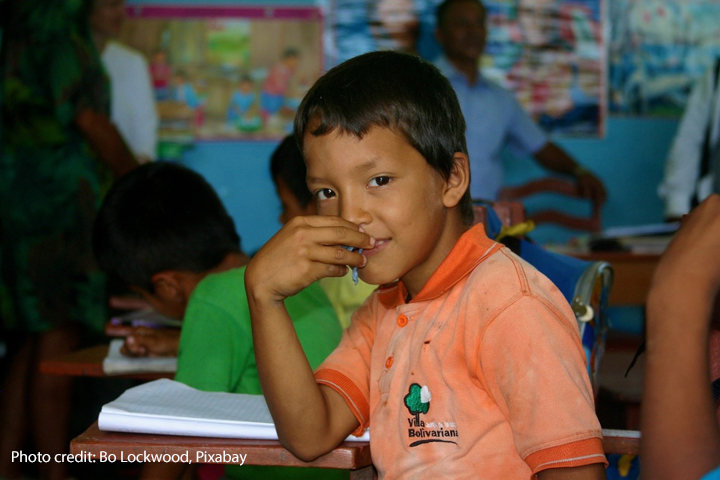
687, 442
586, 472
301, 412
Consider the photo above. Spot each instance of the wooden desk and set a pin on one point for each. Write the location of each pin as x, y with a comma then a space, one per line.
89, 363
352, 456
632, 275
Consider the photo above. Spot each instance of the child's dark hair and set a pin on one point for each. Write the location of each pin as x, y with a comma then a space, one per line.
390, 90
287, 164
158, 217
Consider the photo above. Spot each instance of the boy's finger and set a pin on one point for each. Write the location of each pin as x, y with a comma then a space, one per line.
338, 231
339, 236
337, 255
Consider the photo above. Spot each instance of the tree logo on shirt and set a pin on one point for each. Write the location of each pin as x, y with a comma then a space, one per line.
417, 401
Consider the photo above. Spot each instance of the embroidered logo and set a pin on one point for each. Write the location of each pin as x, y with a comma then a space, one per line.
417, 401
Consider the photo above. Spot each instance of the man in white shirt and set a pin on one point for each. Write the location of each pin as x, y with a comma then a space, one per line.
132, 103
691, 169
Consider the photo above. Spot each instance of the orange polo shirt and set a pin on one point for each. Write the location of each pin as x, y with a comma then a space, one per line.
481, 374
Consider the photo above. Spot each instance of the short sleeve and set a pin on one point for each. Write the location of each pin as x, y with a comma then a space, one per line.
214, 349
347, 369
532, 364
524, 137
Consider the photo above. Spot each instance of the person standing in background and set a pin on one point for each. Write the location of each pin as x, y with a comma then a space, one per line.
495, 120
132, 101
58, 153
692, 169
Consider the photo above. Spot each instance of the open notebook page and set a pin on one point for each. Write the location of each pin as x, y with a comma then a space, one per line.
172, 408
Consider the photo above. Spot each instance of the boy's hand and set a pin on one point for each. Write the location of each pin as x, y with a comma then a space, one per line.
152, 342
693, 254
303, 251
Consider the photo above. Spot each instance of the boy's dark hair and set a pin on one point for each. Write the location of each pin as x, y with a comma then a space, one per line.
158, 217
287, 164
442, 9
390, 90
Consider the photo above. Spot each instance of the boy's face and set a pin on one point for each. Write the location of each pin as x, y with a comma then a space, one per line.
385, 186
291, 207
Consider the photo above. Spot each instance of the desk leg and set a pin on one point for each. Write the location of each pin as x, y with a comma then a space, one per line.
367, 473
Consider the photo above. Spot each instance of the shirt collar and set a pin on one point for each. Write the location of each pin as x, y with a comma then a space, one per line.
471, 248
448, 69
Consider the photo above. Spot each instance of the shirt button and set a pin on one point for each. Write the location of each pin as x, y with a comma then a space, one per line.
402, 321
389, 362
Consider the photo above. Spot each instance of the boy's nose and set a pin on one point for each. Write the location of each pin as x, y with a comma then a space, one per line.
354, 211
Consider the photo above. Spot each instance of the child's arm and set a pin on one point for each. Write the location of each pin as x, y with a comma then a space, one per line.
586, 472
105, 138
310, 420
680, 435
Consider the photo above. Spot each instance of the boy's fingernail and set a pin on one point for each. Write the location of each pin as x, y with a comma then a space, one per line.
364, 261
372, 241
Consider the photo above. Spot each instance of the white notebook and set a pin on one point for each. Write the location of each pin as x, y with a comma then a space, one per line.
168, 407
117, 364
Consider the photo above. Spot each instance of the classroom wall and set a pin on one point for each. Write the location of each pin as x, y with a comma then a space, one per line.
629, 159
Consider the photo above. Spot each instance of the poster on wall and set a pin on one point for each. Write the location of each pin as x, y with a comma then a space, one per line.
657, 50
232, 73
550, 53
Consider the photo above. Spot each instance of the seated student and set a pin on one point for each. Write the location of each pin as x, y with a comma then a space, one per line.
680, 434
288, 170
164, 232
467, 361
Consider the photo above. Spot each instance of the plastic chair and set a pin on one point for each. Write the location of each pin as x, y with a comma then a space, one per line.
554, 185
585, 285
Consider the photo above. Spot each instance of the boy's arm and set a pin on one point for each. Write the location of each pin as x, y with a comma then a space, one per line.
680, 430
105, 138
586, 472
310, 419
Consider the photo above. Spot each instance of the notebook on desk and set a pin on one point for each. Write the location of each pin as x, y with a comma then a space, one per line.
118, 364
168, 407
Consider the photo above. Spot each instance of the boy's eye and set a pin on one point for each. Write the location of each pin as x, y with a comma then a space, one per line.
379, 181
324, 194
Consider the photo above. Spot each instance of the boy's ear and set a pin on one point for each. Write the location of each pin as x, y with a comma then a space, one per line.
169, 287
458, 182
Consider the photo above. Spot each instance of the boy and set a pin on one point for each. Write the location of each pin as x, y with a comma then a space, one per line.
288, 171
164, 232
466, 362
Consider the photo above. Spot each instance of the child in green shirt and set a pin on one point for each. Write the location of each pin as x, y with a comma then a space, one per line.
164, 232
